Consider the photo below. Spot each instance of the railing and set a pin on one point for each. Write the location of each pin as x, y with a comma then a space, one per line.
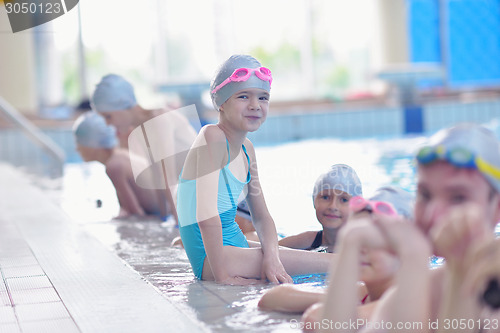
36, 135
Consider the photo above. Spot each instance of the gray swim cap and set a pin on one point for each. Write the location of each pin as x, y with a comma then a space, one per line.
225, 71
472, 138
339, 177
113, 93
401, 200
90, 130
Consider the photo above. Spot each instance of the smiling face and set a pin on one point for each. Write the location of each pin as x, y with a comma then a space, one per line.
246, 110
332, 207
441, 187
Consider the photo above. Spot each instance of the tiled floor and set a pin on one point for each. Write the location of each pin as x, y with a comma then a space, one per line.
28, 299
55, 277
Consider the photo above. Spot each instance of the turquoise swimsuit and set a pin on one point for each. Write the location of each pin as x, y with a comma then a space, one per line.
229, 190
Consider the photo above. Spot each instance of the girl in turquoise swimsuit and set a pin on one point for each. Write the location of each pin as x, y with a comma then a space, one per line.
219, 168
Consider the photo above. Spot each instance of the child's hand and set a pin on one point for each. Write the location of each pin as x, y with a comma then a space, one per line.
362, 233
458, 230
482, 264
402, 237
312, 316
273, 270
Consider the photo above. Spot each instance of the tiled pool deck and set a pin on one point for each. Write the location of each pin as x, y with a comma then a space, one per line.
58, 278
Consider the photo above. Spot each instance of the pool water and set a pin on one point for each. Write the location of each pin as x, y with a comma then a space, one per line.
287, 173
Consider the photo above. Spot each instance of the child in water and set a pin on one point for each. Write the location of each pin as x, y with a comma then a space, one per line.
377, 269
331, 194
97, 141
219, 166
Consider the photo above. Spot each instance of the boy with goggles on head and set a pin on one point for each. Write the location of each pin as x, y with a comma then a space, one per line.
456, 210
219, 167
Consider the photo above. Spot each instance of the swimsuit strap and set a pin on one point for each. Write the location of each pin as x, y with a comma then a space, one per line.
224, 171
317, 240
248, 157
228, 153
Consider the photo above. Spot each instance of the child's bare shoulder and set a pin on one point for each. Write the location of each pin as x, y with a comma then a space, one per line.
302, 240
118, 160
212, 133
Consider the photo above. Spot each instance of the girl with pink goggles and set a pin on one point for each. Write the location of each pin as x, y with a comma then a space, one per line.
358, 204
243, 74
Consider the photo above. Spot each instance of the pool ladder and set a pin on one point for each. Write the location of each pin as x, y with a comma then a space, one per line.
36, 135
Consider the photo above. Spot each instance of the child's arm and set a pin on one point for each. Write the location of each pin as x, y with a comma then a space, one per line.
482, 271
288, 298
341, 299
470, 251
409, 301
303, 240
209, 159
272, 268
177, 137
126, 196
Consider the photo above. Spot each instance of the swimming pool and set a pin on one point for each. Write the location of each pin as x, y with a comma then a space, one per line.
287, 173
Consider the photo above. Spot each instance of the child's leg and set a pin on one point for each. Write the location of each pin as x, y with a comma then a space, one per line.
247, 262
289, 298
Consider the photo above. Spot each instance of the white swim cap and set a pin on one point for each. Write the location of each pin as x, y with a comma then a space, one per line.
91, 130
113, 93
466, 145
339, 177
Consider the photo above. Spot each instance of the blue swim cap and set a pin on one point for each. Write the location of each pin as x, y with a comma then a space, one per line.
455, 143
401, 200
339, 177
225, 71
113, 93
91, 130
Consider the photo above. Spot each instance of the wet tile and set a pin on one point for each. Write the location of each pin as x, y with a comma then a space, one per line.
22, 271
8, 230
212, 314
30, 296
15, 251
7, 315
9, 328
32, 282
4, 298
18, 261
41, 311
66, 325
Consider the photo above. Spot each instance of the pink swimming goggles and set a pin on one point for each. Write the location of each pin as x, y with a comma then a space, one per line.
243, 74
358, 203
